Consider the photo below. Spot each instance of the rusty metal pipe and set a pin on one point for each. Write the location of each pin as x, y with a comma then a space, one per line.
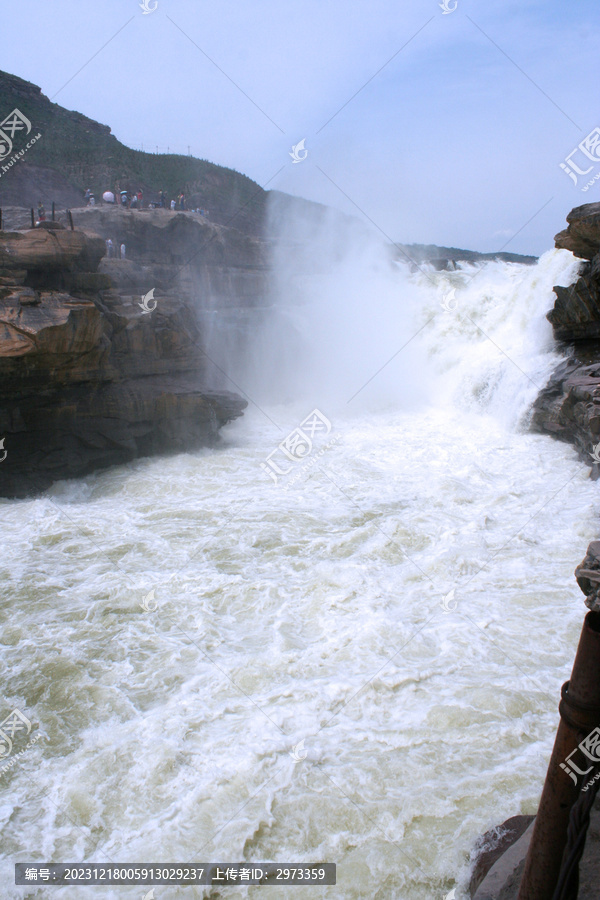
580, 714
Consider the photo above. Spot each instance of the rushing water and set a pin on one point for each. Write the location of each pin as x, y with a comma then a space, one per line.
310, 610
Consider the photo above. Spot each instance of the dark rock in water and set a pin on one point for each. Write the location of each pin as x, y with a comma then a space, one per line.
493, 844
88, 378
569, 406
587, 574
442, 264
507, 856
88, 427
576, 313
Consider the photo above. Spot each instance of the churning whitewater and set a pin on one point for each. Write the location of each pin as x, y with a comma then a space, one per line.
354, 661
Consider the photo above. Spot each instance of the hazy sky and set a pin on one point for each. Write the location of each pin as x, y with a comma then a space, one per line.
442, 128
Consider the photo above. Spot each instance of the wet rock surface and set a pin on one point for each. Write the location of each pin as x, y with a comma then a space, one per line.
569, 406
587, 574
502, 872
582, 237
493, 844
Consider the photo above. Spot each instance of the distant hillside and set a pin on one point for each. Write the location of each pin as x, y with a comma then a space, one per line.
311, 212
75, 153
427, 252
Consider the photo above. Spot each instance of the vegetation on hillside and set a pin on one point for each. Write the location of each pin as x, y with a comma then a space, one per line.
89, 156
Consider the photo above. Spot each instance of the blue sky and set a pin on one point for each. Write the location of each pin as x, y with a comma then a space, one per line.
457, 139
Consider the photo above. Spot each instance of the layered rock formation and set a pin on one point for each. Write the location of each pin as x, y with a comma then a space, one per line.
587, 574
89, 378
569, 406
576, 313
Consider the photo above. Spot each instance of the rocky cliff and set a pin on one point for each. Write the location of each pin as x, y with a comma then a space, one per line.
569, 406
74, 153
90, 375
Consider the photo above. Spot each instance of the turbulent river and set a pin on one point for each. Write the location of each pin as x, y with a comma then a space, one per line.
354, 659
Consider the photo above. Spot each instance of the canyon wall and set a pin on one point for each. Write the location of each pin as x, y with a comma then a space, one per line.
91, 373
569, 406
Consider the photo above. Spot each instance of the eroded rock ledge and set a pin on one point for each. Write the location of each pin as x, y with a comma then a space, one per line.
88, 380
569, 406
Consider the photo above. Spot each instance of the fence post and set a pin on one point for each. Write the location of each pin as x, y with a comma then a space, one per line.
70, 218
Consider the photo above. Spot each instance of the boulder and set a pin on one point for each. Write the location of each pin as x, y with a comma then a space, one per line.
493, 845
50, 250
568, 407
576, 312
582, 237
587, 574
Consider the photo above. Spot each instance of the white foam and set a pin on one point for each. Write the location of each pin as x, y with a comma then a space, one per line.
309, 614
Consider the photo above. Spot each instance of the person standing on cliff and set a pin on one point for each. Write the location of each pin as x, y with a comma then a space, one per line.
172, 206
122, 251
109, 248
41, 212
139, 199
